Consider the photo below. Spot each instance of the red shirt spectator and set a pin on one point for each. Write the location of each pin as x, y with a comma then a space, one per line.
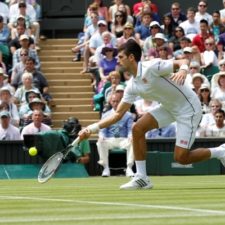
138, 7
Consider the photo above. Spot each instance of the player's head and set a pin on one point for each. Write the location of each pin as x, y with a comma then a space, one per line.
131, 48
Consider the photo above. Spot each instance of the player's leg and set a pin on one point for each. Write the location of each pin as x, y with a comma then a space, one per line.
140, 180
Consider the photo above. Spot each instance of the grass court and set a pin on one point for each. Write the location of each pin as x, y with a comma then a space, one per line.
174, 200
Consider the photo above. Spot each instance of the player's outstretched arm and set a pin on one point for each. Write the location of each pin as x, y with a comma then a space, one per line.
106, 122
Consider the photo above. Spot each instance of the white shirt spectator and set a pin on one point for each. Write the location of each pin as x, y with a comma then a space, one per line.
4, 11
190, 29
205, 16
11, 133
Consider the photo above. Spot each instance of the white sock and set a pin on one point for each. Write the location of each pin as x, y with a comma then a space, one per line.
217, 152
141, 167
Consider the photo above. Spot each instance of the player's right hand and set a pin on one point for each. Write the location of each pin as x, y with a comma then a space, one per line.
84, 134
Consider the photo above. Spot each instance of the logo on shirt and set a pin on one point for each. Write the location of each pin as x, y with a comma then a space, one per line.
183, 142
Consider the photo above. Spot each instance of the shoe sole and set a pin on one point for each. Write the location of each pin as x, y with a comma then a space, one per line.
136, 188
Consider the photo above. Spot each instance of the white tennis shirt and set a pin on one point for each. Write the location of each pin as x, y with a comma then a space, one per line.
153, 83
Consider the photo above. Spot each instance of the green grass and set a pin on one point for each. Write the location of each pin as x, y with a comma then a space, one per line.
175, 200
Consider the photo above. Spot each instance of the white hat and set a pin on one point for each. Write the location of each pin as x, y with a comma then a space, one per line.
160, 36
120, 87
187, 49
204, 86
217, 76
4, 113
198, 75
154, 23
23, 37
102, 22
222, 61
5, 89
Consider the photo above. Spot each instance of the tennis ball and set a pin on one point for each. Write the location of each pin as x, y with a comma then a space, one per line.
33, 151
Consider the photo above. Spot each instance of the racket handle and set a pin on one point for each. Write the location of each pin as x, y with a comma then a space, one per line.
76, 141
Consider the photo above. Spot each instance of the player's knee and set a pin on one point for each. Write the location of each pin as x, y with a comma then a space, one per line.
137, 130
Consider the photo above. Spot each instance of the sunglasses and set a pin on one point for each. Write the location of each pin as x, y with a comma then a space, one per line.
178, 30
101, 25
175, 8
204, 90
118, 16
204, 6
210, 44
154, 27
24, 54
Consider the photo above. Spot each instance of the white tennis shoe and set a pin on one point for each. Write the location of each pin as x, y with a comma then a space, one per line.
106, 172
137, 182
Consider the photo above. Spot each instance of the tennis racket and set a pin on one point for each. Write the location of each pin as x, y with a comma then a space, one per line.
51, 166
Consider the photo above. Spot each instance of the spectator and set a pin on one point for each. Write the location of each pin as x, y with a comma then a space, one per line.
167, 26
102, 10
128, 33
36, 126
218, 128
8, 131
107, 64
116, 136
177, 17
214, 80
217, 27
123, 8
38, 79
197, 81
205, 97
209, 118
204, 34
117, 26
4, 81
4, 11
149, 42
4, 38
35, 104
174, 42
191, 25
115, 7
184, 44
202, 13
6, 98
27, 85
19, 68
218, 92
25, 44
142, 31
14, 44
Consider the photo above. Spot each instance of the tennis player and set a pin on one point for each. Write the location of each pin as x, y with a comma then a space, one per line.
162, 81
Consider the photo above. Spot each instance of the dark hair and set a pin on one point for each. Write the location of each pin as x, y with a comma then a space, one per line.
204, 21
124, 17
220, 111
131, 47
30, 59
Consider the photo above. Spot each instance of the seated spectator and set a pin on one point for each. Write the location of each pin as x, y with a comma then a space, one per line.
197, 81
209, 59
115, 7
6, 99
4, 81
107, 64
38, 79
16, 9
8, 131
27, 85
218, 92
117, 135
160, 44
14, 44
122, 7
128, 33
168, 131
142, 31
19, 68
174, 41
184, 44
149, 41
117, 26
209, 118
202, 13
35, 104
191, 25
217, 129
4, 38
205, 97
36, 126
167, 26
25, 44
214, 80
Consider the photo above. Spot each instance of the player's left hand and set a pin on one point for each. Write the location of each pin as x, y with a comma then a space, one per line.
179, 77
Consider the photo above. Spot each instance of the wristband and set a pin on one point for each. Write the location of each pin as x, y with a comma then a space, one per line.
184, 67
93, 128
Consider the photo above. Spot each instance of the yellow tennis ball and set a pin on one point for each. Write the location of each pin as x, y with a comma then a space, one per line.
33, 151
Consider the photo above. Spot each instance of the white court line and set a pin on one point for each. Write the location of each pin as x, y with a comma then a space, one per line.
176, 208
